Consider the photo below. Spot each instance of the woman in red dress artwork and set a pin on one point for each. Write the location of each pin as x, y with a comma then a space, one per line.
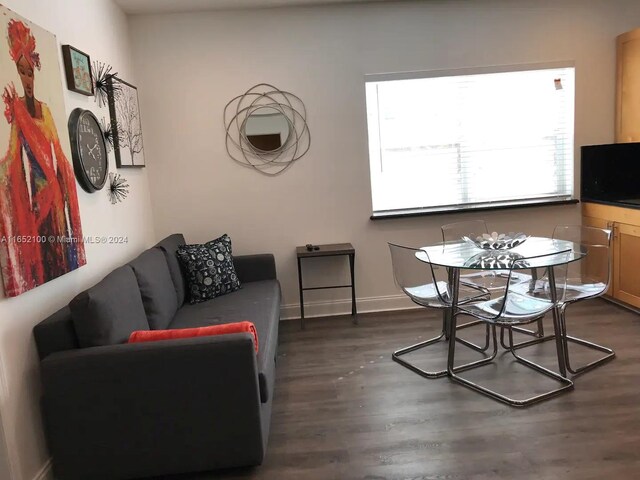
40, 232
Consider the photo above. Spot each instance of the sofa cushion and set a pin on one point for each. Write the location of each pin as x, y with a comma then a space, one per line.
108, 312
156, 287
209, 269
169, 247
257, 302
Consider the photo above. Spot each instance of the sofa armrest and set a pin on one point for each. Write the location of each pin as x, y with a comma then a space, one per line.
252, 268
153, 408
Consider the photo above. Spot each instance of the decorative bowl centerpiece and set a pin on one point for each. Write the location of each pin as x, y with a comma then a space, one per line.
496, 259
498, 241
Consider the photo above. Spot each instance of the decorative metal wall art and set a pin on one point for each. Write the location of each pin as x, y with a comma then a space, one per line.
101, 73
107, 133
118, 188
266, 129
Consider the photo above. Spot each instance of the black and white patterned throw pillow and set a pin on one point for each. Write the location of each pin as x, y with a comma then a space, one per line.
209, 269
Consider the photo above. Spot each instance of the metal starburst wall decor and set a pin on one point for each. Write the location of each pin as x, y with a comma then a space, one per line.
101, 74
118, 188
107, 133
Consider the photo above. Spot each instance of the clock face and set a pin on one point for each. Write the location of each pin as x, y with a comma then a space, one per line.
92, 148
89, 150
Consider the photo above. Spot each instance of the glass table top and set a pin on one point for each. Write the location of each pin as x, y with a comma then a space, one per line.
536, 252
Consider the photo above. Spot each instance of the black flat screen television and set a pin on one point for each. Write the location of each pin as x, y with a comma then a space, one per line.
611, 173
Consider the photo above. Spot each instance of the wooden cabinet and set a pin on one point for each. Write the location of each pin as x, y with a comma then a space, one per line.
628, 87
626, 263
625, 224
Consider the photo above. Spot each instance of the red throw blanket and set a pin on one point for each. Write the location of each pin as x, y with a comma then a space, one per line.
155, 335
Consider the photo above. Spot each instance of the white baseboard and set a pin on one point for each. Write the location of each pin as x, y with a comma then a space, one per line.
46, 472
343, 307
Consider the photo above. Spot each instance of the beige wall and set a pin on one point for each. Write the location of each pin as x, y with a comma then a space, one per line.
99, 28
191, 65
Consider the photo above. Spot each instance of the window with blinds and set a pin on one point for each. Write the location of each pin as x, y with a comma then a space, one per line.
470, 139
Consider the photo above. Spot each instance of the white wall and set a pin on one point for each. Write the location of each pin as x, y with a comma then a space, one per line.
191, 65
99, 28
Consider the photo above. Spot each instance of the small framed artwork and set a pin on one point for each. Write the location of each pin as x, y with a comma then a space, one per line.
126, 124
77, 68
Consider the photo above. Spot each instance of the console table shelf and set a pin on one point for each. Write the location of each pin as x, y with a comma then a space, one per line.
328, 250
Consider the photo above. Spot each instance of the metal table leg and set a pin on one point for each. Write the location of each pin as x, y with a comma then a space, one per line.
454, 284
557, 327
301, 294
354, 311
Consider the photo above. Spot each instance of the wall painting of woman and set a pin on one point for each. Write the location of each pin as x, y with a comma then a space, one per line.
40, 231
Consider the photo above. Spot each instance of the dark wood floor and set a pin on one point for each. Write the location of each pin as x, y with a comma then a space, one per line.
344, 410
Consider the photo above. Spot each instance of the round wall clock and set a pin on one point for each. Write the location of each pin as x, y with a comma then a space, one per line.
88, 150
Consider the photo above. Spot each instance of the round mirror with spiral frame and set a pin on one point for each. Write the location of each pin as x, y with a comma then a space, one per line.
266, 129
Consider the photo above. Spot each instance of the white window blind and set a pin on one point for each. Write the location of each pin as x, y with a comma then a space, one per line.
469, 140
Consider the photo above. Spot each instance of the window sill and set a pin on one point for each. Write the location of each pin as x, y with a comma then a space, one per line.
449, 210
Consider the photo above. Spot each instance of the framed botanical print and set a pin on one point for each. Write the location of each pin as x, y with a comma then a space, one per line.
125, 121
77, 69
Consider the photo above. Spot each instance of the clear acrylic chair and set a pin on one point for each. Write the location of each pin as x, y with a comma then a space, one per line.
512, 308
490, 279
587, 279
428, 286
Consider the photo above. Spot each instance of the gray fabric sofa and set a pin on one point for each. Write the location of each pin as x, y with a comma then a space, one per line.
114, 410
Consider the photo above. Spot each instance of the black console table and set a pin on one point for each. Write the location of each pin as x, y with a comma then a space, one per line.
329, 250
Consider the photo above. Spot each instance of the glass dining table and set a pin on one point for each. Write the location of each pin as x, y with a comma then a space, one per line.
535, 253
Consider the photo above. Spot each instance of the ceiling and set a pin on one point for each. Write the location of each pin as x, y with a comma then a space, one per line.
167, 6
